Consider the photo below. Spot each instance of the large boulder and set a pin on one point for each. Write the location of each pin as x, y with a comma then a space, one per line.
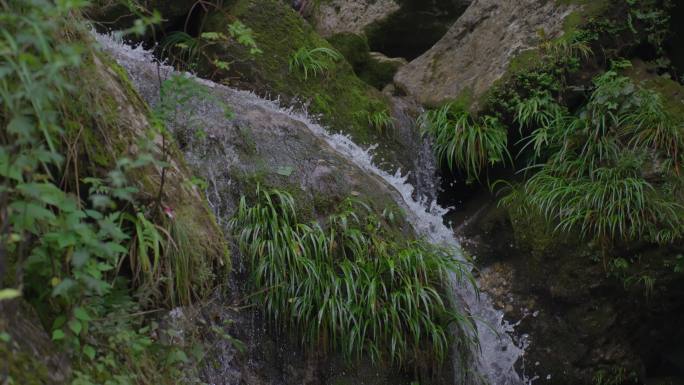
261, 144
479, 47
342, 16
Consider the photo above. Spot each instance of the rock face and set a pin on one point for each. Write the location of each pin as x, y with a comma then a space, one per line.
115, 15
28, 356
583, 322
260, 144
479, 47
342, 16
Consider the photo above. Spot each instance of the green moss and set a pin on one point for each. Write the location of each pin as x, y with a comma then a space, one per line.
109, 121
356, 51
353, 47
671, 91
339, 96
587, 10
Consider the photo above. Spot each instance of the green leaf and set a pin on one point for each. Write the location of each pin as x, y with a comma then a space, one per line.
9, 294
75, 326
63, 287
20, 125
81, 314
176, 356
79, 258
32, 213
89, 351
285, 170
4, 337
57, 334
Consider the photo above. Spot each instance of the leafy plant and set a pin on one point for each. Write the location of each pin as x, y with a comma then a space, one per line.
244, 35
350, 285
185, 51
66, 243
463, 142
313, 61
593, 179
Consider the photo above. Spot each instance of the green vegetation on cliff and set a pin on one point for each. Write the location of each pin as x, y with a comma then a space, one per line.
337, 94
601, 157
99, 225
351, 285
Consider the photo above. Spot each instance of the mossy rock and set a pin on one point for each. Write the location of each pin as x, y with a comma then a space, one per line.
28, 356
371, 67
670, 91
342, 100
110, 122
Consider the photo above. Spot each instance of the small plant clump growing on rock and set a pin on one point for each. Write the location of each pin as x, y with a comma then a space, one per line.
185, 51
313, 61
463, 142
349, 285
591, 165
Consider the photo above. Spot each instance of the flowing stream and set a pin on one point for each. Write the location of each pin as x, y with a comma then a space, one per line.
495, 362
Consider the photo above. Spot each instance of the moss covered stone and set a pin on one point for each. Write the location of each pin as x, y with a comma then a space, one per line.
338, 95
28, 356
670, 91
371, 67
109, 122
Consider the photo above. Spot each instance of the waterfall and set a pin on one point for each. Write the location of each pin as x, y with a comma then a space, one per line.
499, 353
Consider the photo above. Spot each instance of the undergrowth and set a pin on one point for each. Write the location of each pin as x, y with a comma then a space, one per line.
80, 243
611, 169
463, 142
349, 285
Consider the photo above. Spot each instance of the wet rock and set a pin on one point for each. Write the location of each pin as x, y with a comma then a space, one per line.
582, 322
478, 48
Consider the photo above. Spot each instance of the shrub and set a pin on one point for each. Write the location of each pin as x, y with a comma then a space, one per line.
350, 285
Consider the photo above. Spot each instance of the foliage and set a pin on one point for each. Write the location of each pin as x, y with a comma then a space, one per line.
350, 285
464, 142
380, 120
614, 376
592, 173
313, 61
650, 21
68, 242
185, 51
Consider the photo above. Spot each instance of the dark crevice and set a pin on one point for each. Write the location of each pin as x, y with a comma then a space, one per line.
673, 45
415, 28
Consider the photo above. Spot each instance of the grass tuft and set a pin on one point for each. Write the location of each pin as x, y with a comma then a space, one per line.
349, 285
463, 142
313, 61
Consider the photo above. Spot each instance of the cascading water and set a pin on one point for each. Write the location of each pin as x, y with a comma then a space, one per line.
499, 353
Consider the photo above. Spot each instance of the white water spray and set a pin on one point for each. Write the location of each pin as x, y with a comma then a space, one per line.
499, 353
